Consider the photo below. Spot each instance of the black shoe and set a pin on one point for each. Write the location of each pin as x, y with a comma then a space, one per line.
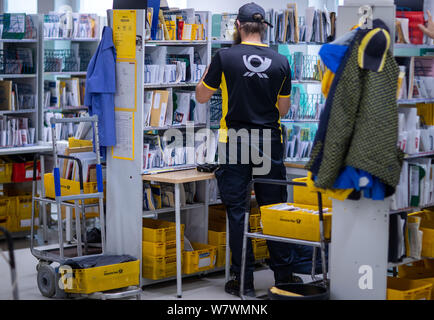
291, 279
233, 287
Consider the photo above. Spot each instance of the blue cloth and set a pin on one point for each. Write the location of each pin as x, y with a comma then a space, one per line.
350, 179
101, 88
332, 55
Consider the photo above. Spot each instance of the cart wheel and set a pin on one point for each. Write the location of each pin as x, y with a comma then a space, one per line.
47, 280
42, 263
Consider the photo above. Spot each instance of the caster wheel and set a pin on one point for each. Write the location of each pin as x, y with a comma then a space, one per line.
47, 280
42, 263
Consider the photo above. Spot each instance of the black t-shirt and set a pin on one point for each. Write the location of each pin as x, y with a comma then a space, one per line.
252, 78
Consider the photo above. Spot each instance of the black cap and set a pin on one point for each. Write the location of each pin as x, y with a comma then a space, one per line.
249, 10
373, 50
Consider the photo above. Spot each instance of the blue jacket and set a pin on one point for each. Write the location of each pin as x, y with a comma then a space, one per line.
101, 88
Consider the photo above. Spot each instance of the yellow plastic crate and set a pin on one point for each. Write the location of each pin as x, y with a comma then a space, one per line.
6, 172
221, 256
23, 214
302, 195
160, 249
4, 206
156, 268
69, 188
260, 249
201, 259
216, 238
295, 224
86, 281
159, 230
417, 271
407, 289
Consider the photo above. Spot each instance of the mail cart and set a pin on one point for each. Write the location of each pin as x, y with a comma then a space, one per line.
84, 270
317, 289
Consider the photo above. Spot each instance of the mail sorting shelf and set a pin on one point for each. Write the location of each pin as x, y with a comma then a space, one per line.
321, 244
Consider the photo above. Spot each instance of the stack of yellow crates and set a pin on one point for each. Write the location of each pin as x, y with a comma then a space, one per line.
159, 248
16, 213
217, 233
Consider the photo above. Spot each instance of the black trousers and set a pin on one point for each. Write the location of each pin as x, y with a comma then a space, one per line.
233, 180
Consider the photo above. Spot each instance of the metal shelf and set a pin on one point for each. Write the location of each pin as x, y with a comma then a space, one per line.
18, 40
412, 209
73, 39
419, 155
6, 76
68, 73
415, 101
155, 213
175, 42
306, 120
183, 126
404, 261
66, 109
170, 85
24, 111
22, 150
413, 46
307, 81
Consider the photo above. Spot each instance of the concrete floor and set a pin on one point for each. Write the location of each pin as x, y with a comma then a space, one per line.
209, 287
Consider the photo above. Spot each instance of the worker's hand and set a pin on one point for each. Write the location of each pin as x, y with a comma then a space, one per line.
429, 29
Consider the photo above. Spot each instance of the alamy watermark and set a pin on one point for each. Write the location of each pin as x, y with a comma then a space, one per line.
241, 147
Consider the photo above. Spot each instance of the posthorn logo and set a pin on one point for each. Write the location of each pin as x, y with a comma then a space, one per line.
256, 65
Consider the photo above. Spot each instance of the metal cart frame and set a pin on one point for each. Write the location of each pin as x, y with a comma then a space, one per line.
258, 235
11, 262
46, 257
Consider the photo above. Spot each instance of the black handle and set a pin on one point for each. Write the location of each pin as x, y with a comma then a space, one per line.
80, 166
10, 247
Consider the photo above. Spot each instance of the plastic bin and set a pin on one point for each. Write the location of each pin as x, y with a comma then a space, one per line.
160, 249
260, 249
302, 195
86, 281
69, 188
221, 256
4, 206
201, 259
418, 271
156, 268
6, 172
407, 289
23, 172
295, 224
216, 237
159, 230
23, 213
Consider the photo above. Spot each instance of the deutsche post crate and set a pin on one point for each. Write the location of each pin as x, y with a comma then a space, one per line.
159, 230
105, 278
407, 289
6, 172
156, 268
297, 224
302, 195
160, 249
203, 258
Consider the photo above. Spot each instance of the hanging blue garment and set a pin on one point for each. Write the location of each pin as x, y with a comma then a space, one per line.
101, 87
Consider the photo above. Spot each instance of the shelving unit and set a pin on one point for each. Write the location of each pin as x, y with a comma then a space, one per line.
124, 173
61, 43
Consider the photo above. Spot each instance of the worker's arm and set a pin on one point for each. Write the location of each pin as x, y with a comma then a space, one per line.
284, 97
429, 29
203, 91
284, 103
210, 81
